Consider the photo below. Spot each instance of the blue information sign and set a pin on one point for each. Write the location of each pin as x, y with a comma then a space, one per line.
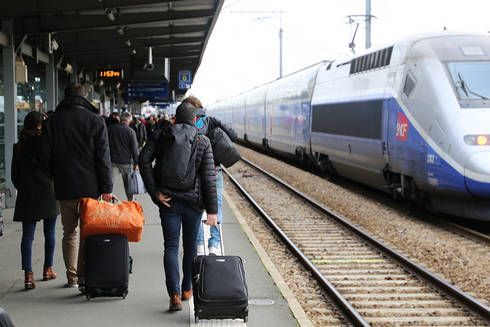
152, 91
185, 79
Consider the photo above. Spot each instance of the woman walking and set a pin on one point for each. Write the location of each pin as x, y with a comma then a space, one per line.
35, 197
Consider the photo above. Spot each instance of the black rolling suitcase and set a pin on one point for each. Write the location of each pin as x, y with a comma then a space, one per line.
107, 266
219, 287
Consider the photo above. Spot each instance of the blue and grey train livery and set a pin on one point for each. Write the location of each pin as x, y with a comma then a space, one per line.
412, 119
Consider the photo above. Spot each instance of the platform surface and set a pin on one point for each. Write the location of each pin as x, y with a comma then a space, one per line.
50, 304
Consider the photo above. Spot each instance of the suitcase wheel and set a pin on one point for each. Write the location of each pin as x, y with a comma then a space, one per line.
196, 319
124, 295
245, 319
87, 296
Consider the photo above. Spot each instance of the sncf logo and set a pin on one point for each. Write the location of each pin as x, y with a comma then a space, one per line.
401, 127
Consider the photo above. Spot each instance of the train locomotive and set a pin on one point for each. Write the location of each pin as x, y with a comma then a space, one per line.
412, 119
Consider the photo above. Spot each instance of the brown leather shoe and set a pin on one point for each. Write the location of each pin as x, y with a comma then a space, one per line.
186, 295
29, 280
175, 303
48, 273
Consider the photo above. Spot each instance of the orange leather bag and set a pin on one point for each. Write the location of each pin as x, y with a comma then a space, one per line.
101, 217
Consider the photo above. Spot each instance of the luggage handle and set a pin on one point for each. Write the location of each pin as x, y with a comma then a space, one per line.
113, 201
218, 225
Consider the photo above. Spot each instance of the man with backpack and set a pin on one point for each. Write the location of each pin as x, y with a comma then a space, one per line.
182, 183
207, 125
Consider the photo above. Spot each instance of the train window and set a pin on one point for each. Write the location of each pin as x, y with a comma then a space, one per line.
371, 61
409, 85
471, 79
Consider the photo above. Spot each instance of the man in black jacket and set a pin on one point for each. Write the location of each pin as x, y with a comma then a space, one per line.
124, 149
175, 151
76, 152
205, 126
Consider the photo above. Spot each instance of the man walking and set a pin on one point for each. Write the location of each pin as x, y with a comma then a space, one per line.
124, 149
76, 152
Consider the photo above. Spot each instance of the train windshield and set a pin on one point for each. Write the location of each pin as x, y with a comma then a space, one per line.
471, 79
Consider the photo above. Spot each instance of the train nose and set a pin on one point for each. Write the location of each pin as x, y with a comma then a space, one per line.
477, 174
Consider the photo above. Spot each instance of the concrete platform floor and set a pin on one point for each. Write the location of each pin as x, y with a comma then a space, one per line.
50, 304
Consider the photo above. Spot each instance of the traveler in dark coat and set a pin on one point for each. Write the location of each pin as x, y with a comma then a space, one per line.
124, 149
180, 207
205, 126
140, 131
76, 151
35, 197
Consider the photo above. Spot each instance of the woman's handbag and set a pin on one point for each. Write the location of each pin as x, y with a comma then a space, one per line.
101, 217
135, 183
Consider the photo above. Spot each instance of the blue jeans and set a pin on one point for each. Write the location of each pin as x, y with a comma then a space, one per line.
180, 213
214, 239
28, 229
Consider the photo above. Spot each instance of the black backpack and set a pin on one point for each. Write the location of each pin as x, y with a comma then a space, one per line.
224, 150
177, 157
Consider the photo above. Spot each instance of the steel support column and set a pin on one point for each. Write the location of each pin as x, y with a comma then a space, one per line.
74, 74
10, 95
51, 84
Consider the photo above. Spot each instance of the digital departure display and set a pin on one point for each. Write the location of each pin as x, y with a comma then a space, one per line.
109, 73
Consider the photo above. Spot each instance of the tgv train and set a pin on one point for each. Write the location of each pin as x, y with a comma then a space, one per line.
412, 119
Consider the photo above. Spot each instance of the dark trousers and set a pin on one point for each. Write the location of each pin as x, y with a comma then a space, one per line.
28, 229
180, 213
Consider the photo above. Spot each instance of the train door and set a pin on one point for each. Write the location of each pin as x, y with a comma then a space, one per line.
301, 127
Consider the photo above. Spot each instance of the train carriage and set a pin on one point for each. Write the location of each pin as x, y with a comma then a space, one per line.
411, 119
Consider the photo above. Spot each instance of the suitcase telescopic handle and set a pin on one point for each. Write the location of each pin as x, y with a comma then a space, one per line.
218, 225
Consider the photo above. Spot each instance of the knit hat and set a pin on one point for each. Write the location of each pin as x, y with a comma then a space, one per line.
185, 113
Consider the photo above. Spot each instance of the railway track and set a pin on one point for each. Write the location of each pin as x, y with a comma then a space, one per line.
470, 233
371, 284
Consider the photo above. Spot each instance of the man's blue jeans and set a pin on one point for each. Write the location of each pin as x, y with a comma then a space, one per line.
215, 239
28, 229
180, 213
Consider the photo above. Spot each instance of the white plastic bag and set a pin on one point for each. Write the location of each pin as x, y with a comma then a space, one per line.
135, 183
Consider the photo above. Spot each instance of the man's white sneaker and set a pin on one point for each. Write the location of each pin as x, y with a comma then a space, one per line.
214, 250
200, 250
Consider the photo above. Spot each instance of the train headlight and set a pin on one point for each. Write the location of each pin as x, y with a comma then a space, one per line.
477, 139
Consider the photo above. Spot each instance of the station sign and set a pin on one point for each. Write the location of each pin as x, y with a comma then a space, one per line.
110, 74
185, 79
152, 91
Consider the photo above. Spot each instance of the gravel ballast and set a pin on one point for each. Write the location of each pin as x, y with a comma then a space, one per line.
461, 261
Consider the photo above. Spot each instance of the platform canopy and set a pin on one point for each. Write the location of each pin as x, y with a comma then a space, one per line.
117, 33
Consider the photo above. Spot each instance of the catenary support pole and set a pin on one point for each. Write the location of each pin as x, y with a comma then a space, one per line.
368, 24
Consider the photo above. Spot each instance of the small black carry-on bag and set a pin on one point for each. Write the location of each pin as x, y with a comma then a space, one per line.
219, 287
107, 265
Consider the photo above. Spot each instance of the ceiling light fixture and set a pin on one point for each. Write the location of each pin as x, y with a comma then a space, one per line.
112, 13
149, 65
121, 30
128, 42
133, 51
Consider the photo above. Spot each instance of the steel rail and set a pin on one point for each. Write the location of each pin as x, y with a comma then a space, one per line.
453, 291
350, 313
457, 228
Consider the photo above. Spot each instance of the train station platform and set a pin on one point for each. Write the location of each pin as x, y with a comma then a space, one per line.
50, 304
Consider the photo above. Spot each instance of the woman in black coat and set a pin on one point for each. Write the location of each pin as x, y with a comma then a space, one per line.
35, 197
